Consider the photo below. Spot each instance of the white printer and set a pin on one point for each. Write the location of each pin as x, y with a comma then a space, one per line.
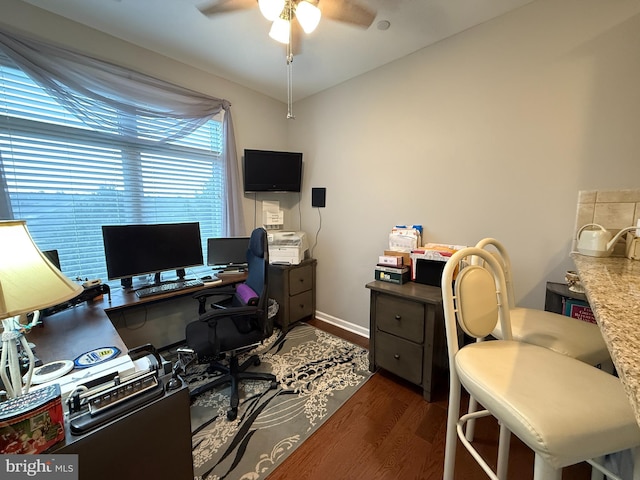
288, 248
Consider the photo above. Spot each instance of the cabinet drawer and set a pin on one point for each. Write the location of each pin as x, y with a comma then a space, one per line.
301, 306
399, 356
300, 280
401, 317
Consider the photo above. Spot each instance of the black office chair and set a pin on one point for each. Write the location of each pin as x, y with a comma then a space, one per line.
229, 328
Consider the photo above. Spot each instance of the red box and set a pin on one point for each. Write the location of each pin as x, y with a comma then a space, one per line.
578, 309
32, 423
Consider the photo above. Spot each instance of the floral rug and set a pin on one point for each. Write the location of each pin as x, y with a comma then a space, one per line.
317, 372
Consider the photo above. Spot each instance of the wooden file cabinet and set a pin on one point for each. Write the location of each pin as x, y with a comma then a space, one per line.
294, 288
406, 335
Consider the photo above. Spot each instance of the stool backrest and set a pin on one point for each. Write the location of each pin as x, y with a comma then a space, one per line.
501, 254
477, 300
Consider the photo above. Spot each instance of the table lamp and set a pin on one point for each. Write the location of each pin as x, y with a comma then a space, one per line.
29, 282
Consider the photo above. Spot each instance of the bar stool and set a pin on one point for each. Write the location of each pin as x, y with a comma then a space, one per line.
566, 335
565, 410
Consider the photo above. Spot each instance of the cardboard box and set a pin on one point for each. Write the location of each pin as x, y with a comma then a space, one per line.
406, 256
391, 260
32, 423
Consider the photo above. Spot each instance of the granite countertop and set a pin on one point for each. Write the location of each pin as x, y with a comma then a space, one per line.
612, 286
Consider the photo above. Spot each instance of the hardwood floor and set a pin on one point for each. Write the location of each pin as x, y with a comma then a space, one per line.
387, 431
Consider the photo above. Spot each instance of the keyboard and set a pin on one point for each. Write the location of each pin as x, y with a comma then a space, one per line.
168, 287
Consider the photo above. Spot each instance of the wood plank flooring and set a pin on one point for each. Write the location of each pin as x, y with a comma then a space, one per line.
387, 431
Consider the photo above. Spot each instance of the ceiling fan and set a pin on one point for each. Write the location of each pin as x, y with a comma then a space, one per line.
289, 15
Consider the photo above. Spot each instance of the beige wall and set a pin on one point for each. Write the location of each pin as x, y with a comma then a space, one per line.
489, 133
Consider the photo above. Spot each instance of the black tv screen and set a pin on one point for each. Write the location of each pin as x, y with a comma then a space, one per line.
269, 171
227, 251
132, 250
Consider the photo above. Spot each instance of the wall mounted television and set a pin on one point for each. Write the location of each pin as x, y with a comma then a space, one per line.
132, 250
269, 171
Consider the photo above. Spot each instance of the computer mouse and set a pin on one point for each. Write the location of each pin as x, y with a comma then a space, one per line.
206, 277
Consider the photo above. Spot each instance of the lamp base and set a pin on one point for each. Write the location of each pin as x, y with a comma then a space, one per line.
12, 336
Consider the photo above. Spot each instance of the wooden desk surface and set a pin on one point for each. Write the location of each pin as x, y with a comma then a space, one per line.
612, 286
70, 333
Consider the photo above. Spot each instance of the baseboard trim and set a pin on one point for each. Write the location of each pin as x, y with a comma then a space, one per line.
338, 322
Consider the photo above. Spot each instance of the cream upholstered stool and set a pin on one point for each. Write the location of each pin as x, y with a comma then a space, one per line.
565, 410
562, 334
566, 335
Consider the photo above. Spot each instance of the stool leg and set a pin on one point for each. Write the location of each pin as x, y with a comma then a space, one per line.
543, 471
503, 452
471, 423
595, 473
452, 434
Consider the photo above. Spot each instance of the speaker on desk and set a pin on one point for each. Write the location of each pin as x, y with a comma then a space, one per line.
126, 282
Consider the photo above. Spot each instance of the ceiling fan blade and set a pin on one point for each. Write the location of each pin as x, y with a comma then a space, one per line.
223, 6
347, 11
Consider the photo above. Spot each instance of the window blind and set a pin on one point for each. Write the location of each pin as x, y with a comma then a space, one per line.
67, 179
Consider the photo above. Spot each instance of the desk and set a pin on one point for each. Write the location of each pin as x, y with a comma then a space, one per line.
151, 441
612, 286
72, 332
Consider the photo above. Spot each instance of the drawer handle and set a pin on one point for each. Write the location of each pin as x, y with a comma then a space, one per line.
397, 356
301, 306
398, 317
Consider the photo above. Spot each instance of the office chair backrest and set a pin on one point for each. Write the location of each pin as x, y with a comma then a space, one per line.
257, 262
477, 300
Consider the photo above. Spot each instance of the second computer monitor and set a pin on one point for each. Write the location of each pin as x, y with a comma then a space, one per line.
225, 252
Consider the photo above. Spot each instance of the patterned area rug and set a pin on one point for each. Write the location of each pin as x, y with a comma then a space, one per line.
317, 372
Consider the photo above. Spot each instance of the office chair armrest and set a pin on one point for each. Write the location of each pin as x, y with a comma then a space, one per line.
203, 295
210, 292
229, 312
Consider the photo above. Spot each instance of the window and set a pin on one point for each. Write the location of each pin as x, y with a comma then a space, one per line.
67, 180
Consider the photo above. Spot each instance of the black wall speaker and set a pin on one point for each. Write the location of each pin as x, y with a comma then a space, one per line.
318, 196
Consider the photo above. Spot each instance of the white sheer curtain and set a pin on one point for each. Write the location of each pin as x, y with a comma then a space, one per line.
110, 98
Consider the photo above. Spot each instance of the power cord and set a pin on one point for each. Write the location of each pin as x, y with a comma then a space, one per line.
317, 232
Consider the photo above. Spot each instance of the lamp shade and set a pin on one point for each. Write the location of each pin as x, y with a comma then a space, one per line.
280, 30
271, 9
308, 15
28, 280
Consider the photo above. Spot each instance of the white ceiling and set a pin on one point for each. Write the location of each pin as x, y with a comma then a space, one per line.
236, 45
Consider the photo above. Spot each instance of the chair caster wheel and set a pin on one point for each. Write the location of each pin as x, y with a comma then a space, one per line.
273, 385
232, 414
256, 362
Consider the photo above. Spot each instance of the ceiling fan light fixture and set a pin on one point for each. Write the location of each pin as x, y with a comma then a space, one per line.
280, 30
271, 9
308, 15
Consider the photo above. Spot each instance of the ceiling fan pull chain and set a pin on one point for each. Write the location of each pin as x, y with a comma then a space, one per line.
290, 114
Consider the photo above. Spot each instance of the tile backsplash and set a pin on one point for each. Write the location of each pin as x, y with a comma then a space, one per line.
613, 209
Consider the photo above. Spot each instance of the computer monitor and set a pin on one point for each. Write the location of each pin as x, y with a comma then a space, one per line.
53, 257
132, 250
227, 252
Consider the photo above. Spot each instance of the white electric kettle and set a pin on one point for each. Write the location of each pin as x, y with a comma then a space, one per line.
598, 242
